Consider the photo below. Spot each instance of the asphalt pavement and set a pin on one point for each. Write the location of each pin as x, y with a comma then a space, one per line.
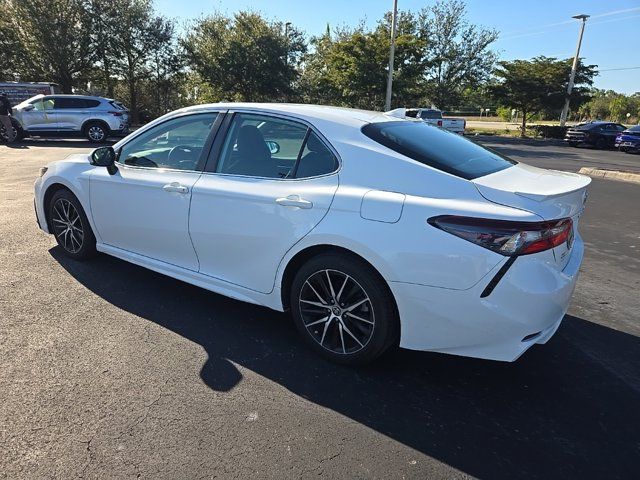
108, 370
556, 155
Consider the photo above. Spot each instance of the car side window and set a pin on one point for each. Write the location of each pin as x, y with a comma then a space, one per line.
176, 144
38, 106
261, 146
68, 103
271, 147
43, 104
316, 159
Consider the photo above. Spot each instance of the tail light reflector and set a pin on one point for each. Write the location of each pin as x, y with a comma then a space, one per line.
507, 237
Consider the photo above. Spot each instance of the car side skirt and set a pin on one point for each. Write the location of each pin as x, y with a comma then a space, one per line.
271, 300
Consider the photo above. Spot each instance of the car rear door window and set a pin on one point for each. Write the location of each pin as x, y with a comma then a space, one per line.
437, 148
68, 103
89, 103
261, 146
316, 159
272, 147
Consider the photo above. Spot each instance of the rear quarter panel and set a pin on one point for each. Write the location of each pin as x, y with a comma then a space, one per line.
406, 249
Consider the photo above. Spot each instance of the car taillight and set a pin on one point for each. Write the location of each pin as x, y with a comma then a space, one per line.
439, 123
507, 237
116, 114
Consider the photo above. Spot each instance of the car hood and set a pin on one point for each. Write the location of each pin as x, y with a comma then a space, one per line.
77, 158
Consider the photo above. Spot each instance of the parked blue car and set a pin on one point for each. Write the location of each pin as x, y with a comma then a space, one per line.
629, 140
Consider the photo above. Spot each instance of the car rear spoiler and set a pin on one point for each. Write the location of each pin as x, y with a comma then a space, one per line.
397, 113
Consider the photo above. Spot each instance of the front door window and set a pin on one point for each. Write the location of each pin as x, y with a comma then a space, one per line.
176, 144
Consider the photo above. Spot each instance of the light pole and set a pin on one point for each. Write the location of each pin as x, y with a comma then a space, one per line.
286, 36
574, 67
392, 51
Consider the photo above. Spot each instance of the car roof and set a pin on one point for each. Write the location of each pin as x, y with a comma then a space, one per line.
337, 115
69, 95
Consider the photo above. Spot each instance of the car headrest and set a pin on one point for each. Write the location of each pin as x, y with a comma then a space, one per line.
250, 141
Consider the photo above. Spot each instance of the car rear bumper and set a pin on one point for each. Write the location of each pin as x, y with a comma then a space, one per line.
627, 143
577, 140
525, 307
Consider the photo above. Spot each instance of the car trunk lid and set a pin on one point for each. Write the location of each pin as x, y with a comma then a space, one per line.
549, 194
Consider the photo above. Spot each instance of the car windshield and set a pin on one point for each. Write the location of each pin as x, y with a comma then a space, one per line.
437, 148
635, 129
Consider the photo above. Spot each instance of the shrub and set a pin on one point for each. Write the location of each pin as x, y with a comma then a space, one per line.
549, 131
504, 113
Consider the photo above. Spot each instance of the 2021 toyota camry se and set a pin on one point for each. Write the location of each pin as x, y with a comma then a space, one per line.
372, 230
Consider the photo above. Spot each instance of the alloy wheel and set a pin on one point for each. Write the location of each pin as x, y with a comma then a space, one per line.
96, 133
336, 311
67, 225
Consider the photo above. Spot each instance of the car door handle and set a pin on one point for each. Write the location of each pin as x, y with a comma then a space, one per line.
294, 201
175, 187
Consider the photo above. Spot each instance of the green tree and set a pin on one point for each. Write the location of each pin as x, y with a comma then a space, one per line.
106, 29
537, 85
140, 35
54, 40
438, 56
458, 55
349, 68
11, 50
246, 57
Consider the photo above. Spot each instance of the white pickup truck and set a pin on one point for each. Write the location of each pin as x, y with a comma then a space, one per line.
434, 117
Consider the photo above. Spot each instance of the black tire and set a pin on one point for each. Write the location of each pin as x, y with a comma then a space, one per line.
70, 226
573, 144
623, 149
96, 132
601, 144
358, 335
17, 130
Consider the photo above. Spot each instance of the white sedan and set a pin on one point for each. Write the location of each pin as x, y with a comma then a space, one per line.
372, 230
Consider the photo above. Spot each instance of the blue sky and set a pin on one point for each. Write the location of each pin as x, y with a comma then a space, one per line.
528, 28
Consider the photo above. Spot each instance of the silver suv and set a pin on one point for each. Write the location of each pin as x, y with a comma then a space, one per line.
95, 118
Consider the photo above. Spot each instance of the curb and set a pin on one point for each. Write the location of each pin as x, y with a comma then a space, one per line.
611, 174
506, 139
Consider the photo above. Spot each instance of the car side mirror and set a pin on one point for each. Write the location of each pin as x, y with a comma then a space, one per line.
274, 147
105, 157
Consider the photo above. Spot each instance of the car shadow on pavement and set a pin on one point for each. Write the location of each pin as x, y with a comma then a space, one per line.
568, 409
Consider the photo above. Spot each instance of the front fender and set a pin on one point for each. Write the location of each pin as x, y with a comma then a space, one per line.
74, 174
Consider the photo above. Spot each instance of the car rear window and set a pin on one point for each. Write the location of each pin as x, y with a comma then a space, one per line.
587, 126
437, 148
118, 105
431, 114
